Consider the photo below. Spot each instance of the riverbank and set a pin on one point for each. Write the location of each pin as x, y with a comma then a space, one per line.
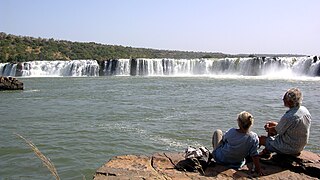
164, 166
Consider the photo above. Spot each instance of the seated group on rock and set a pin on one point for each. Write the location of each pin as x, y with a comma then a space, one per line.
288, 136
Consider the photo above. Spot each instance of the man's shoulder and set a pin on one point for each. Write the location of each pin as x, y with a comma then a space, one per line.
304, 110
291, 114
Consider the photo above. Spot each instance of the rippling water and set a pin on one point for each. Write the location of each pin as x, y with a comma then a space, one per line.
80, 123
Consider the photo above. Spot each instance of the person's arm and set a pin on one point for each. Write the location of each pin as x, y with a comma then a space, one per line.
256, 162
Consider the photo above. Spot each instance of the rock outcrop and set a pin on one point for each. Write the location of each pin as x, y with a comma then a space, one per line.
164, 166
10, 83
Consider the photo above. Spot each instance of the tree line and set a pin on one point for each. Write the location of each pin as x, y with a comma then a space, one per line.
23, 48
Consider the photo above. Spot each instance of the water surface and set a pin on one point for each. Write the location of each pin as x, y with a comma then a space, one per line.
80, 123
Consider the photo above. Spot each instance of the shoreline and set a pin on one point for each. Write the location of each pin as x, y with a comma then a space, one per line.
163, 165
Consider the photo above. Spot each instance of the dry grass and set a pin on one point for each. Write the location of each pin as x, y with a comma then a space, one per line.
46, 161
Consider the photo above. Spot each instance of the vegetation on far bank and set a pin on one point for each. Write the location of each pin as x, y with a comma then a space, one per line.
22, 48
15, 48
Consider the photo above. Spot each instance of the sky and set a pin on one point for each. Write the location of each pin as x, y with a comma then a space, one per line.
226, 26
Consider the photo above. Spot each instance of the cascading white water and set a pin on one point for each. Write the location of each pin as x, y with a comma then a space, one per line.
270, 67
117, 67
277, 67
52, 68
149, 67
7, 69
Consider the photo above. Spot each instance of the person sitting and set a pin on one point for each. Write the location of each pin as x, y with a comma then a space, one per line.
291, 133
231, 149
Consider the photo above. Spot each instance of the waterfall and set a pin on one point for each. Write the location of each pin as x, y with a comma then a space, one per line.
52, 68
117, 67
265, 66
262, 66
7, 69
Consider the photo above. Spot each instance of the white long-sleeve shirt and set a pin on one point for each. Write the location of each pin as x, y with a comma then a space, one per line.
292, 131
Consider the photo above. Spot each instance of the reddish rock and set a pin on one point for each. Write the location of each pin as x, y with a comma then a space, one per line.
164, 166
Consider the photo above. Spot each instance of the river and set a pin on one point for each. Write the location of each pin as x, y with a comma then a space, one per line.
81, 122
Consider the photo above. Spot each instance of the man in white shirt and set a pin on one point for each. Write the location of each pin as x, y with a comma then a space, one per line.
291, 133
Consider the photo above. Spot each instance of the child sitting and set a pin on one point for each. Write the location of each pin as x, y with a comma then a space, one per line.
235, 145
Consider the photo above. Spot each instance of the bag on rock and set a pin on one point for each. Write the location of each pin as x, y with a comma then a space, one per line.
196, 160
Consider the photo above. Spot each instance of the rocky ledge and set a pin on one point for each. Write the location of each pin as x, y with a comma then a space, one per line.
165, 165
10, 83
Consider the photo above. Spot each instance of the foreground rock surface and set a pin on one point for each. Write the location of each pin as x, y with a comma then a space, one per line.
10, 83
162, 166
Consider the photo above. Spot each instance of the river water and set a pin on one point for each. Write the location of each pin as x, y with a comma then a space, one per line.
80, 123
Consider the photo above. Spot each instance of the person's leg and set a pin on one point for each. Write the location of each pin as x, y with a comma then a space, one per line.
266, 152
216, 138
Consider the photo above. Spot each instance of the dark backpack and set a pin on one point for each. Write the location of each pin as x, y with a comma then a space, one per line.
196, 160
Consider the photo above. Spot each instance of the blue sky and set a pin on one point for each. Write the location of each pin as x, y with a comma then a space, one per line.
227, 26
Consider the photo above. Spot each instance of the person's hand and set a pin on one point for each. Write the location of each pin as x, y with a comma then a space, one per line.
270, 124
270, 128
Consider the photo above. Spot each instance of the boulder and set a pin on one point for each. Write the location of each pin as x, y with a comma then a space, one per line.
164, 166
10, 83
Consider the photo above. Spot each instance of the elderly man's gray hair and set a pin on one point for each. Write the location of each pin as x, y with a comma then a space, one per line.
294, 95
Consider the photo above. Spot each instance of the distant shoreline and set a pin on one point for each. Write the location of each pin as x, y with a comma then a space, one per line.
24, 48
